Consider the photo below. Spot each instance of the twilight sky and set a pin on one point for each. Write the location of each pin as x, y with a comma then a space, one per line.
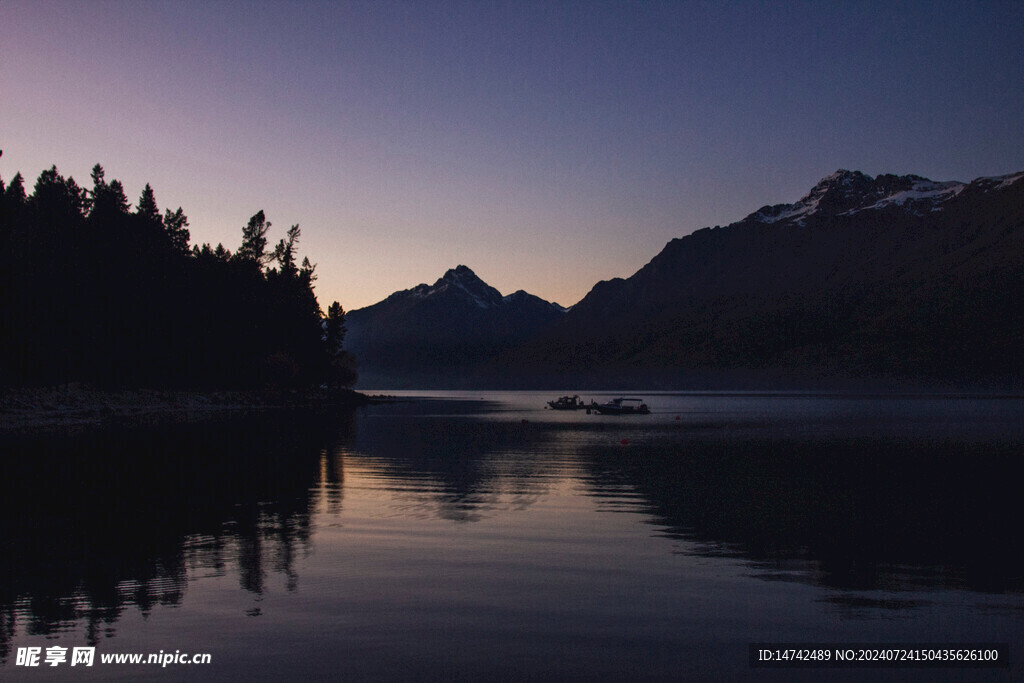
547, 145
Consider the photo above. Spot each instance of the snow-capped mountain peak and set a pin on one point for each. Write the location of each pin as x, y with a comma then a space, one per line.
837, 189
848, 192
443, 327
462, 281
461, 284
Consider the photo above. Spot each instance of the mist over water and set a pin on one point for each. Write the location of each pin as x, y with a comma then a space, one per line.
467, 535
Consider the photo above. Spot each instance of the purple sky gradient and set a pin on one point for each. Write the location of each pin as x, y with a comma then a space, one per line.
547, 145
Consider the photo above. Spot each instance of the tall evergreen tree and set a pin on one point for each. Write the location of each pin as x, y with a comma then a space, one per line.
334, 332
118, 199
146, 208
176, 227
341, 365
99, 185
15, 191
12, 199
58, 199
98, 176
254, 240
79, 196
106, 198
306, 273
284, 253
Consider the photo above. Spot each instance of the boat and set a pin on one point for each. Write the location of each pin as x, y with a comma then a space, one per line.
567, 403
622, 406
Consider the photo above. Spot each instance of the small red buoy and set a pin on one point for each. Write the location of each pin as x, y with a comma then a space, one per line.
625, 442
677, 417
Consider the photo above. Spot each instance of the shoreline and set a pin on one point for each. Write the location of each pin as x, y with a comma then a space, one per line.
77, 405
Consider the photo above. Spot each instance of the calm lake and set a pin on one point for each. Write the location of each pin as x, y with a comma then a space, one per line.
479, 536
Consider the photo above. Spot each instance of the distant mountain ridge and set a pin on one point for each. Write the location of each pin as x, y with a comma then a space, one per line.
462, 282
892, 276
441, 333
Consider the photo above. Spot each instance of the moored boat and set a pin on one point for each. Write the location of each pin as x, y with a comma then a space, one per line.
567, 403
622, 406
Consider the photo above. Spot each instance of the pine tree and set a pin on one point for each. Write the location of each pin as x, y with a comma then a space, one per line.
12, 203
78, 196
118, 199
15, 192
334, 332
106, 198
175, 226
284, 253
146, 208
341, 365
306, 273
98, 175
254, 240
99, 186
55, 197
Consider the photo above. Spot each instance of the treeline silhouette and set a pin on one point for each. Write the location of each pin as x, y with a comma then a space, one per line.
96, 291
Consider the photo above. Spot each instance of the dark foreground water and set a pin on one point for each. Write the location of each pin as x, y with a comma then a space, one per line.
481, 537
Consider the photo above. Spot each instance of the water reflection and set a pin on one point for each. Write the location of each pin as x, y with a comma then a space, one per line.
97, 523
860, 514
452, 466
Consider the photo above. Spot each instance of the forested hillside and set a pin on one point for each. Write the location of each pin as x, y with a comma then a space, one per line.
96, 290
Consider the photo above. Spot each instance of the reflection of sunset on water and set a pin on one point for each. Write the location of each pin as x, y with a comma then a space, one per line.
460, 532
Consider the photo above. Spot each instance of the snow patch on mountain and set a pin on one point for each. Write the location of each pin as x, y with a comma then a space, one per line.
922, 190
844, 193
998, 182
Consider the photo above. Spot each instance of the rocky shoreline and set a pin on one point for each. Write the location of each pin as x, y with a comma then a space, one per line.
25, 410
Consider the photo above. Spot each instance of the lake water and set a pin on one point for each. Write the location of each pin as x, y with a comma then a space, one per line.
471, 536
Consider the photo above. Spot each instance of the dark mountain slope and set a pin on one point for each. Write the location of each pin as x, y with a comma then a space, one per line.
892, 276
